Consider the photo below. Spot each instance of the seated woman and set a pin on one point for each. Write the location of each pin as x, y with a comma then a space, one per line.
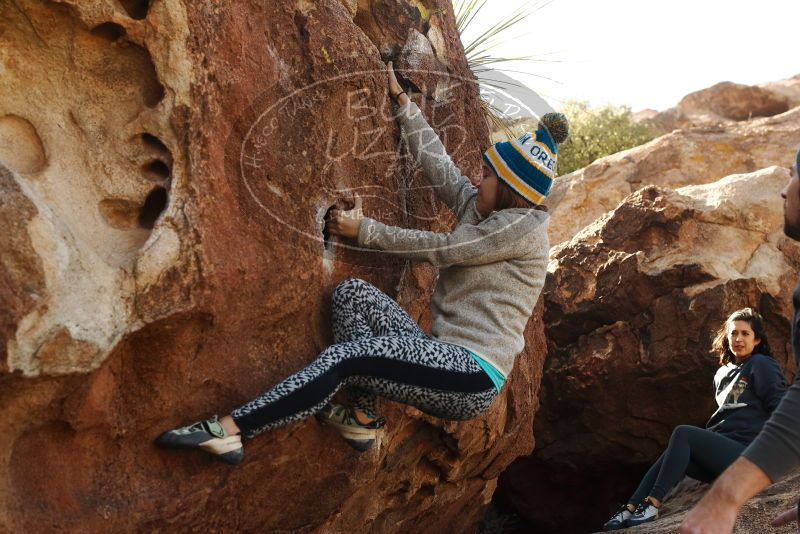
491, 270
749, 385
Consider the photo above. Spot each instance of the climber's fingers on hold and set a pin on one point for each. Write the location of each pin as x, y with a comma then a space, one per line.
334, 227
394, 86
343, 215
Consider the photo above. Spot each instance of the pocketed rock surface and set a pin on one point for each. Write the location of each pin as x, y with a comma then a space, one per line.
165, 170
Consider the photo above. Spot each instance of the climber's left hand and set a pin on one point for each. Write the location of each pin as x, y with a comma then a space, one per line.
346, 223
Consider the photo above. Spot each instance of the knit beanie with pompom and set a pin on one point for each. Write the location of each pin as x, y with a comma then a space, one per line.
528, 164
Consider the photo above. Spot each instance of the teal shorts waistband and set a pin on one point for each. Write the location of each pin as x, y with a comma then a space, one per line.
495, 376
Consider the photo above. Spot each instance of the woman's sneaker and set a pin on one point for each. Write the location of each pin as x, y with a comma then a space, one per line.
207, 435
619, 519
360, 436
644, 513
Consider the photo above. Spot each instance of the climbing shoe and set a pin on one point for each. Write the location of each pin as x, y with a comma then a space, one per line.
644, 513
360, 436
618, 520
209, 436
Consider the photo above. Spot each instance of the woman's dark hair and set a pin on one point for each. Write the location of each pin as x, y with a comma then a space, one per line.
508, 198
756, 322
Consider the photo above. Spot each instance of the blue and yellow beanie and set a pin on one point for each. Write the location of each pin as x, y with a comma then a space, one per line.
528, 164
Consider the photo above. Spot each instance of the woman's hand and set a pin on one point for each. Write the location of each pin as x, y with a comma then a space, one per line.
346, 223
395, 89
789, 516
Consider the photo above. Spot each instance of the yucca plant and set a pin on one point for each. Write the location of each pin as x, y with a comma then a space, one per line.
596, 132
496, 120
478, 51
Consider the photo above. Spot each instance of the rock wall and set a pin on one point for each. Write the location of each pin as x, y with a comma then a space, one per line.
657, 245
87, 143
726, 103
166, 169
684, 157
734, 101
632, 305
789, 88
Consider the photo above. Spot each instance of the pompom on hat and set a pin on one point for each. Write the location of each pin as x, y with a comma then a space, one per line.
528, 164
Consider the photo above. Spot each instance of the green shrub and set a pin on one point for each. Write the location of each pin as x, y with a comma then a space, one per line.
595, 132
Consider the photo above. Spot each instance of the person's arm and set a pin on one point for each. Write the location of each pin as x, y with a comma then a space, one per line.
774, 452
792, 515
495, 239
716, 511
396, 91
425, 146
402, 99
776, 449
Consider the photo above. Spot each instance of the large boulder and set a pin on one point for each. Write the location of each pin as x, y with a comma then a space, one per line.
724, 104
632, 305
681, 158
734, 101
790, 88
165, 171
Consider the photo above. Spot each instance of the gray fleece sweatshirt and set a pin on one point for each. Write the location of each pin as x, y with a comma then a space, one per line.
776, 450
491, 270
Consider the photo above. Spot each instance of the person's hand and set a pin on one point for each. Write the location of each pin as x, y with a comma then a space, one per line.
346, 223
709, 517
395, 89
789, 516
716, 511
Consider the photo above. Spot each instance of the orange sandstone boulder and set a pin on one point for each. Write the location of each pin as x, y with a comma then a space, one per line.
725, 103
681, 158
632, 304
165, 171
734, 101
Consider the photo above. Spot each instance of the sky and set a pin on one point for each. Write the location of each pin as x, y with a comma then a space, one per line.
645, 53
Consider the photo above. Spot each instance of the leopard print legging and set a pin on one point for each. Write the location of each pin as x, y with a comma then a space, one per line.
378, 350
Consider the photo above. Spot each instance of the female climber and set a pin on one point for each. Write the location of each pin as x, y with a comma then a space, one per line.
491, 270
749, 385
